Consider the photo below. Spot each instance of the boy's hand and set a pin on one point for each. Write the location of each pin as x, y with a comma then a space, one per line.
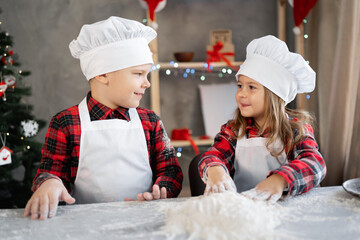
155, 195
43, 203
270, 189
218, 181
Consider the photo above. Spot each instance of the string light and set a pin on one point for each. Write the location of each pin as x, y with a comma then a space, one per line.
178, 154
307, 96
195, 73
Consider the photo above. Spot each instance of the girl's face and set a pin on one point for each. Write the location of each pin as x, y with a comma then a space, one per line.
127, 86
250, 98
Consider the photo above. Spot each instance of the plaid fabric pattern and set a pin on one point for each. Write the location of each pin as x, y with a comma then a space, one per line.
60, 152
305, 168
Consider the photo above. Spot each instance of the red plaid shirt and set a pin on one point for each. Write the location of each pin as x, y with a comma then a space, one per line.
60, 153
305, 168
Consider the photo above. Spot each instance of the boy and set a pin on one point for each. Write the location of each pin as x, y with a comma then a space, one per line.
106, 149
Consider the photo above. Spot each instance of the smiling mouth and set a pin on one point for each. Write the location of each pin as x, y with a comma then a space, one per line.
245, 105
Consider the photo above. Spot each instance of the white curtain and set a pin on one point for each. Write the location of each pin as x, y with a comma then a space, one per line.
333, 49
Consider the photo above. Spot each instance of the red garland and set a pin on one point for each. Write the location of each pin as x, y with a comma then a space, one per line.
216, 56
152, 4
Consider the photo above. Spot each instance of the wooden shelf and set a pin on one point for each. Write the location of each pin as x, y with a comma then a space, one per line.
197, 65
198, 142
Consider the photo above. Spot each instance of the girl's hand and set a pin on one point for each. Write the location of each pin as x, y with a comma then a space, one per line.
270, 189
218, 181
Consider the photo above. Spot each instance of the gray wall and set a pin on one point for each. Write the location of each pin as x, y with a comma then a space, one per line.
42, 30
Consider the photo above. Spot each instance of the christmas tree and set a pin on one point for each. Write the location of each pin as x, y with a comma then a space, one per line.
20, 153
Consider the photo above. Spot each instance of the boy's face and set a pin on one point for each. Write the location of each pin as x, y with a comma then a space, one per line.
250, 98
127, 86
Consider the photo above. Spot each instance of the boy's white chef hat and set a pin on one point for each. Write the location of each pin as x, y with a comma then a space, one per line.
112, 44
270, 63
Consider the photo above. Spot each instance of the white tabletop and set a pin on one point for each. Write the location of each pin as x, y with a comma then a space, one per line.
323, 213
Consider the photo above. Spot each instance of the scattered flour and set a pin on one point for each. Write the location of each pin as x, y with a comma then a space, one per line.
224, 216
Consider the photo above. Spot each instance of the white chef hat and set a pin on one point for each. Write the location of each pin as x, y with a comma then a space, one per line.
112, 44
270, 63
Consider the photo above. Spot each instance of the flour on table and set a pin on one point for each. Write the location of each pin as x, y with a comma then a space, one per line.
224, 216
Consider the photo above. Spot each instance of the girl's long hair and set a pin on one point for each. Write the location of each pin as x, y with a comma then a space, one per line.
277, 123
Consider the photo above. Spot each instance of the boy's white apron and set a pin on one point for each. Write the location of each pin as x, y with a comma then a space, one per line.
253, 161
113, 159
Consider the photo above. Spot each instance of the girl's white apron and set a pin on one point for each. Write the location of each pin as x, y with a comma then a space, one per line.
253, 161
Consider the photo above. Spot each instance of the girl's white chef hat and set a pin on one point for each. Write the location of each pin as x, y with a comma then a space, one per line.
112, 44
270, 63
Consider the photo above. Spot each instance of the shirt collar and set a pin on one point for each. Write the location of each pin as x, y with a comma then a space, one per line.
252, 131
99, 111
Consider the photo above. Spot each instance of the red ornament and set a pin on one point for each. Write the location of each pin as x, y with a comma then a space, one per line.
301, 9
11, 52
3, 60
153, 6
3, 88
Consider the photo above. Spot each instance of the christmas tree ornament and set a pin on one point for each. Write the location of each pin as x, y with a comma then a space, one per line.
10, 81
5, 152
5, 155
29, 128
3, 88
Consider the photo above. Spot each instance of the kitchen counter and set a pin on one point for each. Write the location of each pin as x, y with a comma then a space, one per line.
323, 213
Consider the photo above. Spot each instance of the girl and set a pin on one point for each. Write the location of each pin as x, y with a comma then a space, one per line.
267, 150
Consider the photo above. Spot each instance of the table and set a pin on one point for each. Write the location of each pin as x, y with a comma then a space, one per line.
330, 213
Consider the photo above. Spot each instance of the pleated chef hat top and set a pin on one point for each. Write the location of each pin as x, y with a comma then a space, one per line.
112, 44
270, 63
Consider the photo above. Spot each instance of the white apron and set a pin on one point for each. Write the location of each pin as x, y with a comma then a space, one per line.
113, 160
253, 161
